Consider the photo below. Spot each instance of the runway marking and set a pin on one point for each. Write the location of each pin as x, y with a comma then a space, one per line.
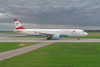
15, 52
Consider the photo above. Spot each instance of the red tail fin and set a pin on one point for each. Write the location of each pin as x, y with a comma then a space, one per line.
18, 25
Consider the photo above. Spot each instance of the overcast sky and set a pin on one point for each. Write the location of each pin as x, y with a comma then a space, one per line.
83, 14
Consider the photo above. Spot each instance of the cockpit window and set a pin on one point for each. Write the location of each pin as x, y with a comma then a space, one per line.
83, 31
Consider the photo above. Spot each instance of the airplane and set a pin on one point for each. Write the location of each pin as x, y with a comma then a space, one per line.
50, 33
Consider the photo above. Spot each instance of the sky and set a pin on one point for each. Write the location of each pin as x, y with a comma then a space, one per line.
50, 14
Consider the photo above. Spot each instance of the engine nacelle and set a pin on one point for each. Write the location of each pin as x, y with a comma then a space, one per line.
56, 36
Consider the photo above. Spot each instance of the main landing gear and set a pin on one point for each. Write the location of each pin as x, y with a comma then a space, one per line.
78, 38
49, 38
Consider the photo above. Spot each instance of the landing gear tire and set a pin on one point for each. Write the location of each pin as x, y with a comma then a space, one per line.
78, 38
48, 38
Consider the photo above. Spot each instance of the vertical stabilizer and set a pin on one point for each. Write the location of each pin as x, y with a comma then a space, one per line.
18, 25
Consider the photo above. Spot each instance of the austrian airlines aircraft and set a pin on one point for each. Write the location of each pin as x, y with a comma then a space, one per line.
50, 33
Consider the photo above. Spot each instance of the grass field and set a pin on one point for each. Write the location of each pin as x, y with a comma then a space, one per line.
58, 55
90, 35
5, 46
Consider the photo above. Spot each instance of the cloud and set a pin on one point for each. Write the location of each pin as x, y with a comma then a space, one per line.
78, 13
6, 27
49, 26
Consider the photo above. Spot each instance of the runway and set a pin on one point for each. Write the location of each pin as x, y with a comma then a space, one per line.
5, 37
19, 39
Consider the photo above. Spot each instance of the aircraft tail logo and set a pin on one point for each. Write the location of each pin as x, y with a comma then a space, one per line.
18, 25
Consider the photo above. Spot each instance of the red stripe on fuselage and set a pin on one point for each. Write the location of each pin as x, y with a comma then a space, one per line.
21, 27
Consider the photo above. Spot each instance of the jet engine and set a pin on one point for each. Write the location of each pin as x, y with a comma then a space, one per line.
56, 36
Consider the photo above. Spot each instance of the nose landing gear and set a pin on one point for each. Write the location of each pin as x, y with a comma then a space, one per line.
78, 38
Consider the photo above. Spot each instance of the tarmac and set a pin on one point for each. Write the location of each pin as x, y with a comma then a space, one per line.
43, 42
19, 39
7, 37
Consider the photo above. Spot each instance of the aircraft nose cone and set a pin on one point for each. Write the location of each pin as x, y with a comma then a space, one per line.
86, 34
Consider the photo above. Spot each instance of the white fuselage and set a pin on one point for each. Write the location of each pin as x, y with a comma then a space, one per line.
61, 32
50, 33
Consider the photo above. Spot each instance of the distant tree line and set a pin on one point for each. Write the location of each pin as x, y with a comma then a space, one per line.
6, 31
92, 30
